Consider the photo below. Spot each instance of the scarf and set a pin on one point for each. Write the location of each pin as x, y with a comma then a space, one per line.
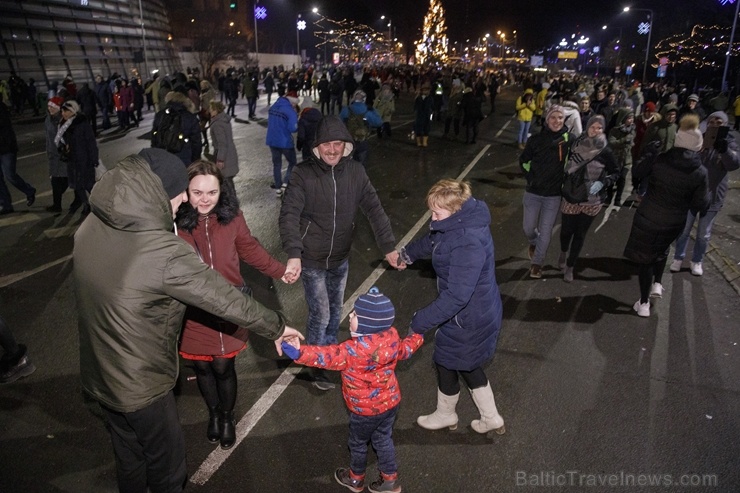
584, 150
60, 133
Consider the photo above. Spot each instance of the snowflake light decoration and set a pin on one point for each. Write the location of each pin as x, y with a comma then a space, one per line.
643, 28
260, 13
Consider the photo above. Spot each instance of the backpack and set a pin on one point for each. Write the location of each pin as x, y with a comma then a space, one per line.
168, 134
357, 126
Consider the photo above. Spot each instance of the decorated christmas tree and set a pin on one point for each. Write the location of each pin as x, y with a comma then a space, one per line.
432, 48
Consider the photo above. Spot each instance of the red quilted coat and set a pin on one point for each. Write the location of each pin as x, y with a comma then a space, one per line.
368, 364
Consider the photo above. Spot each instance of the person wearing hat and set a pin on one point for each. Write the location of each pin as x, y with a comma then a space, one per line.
692, 107
360, 119
677, 184
57, 168
467, 311
79, 150
542, 162
591, 170
367, 362
719, 159
134, 278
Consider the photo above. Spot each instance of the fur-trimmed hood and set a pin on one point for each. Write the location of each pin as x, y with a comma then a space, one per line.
225, 211
178, 97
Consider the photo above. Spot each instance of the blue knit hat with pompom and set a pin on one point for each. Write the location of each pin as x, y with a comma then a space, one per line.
375, 312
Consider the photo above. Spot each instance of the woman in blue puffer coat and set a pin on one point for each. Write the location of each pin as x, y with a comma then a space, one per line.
468, 308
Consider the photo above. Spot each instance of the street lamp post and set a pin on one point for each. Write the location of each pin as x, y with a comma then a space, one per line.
650, 33
729, 48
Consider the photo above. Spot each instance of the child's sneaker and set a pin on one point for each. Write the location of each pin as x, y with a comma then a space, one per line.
344, 477
384, 485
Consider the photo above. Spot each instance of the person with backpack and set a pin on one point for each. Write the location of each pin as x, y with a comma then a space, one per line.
176, 128
359, 120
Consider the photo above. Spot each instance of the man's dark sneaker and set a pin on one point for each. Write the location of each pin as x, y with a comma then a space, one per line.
320, 380
16, 366
31, 199
343, 477
535, 272
385, 485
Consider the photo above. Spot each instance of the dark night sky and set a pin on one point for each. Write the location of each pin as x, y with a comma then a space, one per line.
538, 22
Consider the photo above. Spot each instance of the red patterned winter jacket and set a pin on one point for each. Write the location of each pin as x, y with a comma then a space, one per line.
368, 364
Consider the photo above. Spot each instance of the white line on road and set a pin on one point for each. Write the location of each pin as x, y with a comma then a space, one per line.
31, 155
216, 458
13, 278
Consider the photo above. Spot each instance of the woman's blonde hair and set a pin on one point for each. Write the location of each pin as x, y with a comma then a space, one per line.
449, 194
218, 106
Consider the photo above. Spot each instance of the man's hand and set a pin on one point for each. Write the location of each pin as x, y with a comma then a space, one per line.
394, 259
220, 164
292, 271
290, 336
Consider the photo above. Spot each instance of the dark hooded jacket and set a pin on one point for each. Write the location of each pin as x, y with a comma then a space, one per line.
622, 138
661, 130
677, 183
468, 308
543, 161
133, 279
79, 149
317, 218
180, 103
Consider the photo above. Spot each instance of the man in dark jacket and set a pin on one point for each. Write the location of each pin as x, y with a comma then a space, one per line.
316, 225
133, 278
542, 162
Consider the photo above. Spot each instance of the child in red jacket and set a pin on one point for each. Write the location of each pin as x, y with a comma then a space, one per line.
369, 386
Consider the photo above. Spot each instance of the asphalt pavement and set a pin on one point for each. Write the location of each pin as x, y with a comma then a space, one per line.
594, 397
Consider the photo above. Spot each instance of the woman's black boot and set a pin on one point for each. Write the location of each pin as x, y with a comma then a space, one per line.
213, 433
228, 429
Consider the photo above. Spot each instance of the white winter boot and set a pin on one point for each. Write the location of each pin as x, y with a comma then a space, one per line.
444, 416
490, 419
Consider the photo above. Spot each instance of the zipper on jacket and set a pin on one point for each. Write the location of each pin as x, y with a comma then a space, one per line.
306, 231
334, 218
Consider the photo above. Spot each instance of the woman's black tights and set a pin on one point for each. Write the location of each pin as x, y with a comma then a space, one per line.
650, 273
449, 384
217, 382
573, 234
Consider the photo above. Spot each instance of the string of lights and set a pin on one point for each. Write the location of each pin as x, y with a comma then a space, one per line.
705, 46
432, 48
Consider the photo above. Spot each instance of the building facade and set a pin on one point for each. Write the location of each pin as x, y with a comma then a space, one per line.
48, 40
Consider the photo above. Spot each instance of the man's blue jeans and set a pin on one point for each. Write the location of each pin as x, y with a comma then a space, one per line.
377, 430
277, 164
703, 234
540, 214
7, 171
324, 290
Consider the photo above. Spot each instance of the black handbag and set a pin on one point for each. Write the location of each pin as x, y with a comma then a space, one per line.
574, 186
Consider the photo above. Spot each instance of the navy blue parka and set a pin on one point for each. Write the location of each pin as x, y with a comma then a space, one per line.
468, 308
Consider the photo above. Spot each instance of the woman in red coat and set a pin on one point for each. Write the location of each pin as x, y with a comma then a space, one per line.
213, 224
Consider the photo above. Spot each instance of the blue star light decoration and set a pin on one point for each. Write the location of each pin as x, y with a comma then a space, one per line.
643, 28
260, 13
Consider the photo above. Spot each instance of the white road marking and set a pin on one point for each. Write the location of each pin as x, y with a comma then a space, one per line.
13, 278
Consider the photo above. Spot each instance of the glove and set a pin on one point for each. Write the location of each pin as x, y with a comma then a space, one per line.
595, 187
290, 351
721, 146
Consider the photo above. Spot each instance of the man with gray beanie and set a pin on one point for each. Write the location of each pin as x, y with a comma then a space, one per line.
133, 279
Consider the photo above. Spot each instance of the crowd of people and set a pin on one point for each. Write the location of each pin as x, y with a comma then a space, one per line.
579, 142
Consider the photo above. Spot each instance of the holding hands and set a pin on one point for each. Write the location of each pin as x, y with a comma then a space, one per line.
291, 351
291, 338
292, 271
394, 259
